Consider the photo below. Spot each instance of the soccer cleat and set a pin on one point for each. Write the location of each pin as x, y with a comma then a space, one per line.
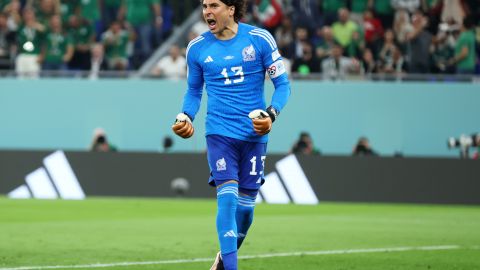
218, 263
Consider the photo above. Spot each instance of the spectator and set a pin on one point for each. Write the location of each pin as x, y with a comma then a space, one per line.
115, 41
402, 27
369, 65
308, 63
97, 61
373, 31
58, 47
306, 13
396, 64
363, 148
67, 9
344, 28
330, 10
100, 142
465, 55
7, 43
145, 17
172, 66
356, 46
358, 8
29, 42
91, 10
324, 48
337, 66
295, 49
12, 10
442, 50
304, 145
45, 9
386, 53
384, 12
83, 38
284, 34
419, 41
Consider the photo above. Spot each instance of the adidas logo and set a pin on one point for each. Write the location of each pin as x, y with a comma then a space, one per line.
53, 180
295, 186
208, 59
230, 233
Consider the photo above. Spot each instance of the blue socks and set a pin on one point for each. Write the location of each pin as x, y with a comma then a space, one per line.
244, 215
234, 217
227, 200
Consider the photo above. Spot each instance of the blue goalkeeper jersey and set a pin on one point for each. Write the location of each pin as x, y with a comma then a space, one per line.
233, 72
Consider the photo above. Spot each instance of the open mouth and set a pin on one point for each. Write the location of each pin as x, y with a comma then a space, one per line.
211, 23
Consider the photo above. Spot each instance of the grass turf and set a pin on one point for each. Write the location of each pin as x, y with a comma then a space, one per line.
112, 230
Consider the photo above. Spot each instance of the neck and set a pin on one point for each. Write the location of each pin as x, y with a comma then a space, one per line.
228, 32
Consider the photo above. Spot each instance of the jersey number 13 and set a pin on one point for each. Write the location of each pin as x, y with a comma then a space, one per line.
238, 73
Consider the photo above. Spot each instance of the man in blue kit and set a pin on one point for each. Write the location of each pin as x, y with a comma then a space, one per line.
231, 60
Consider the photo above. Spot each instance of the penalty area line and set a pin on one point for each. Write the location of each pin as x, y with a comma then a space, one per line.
245, 257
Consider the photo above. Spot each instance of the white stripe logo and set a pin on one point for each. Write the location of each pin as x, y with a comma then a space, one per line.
294, 187
230, 233
57, 179
208, 59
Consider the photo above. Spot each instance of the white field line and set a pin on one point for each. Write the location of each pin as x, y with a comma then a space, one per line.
270, 255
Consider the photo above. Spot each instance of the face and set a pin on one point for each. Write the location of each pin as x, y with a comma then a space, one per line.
116, 27
327, 33
217, 15
28, 16
56, 22
337, 51
3, 21
343, 15
174, 51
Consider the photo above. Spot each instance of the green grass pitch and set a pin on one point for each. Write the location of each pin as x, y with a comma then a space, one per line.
47, 234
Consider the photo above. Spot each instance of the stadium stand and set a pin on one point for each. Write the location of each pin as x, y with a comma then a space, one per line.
384, 40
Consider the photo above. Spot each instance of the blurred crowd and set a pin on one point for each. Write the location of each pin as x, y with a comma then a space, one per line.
341, 37
335, 37
84, 35
365, 37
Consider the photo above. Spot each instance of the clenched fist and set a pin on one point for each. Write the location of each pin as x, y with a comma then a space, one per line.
262, 123
183, 126
262, 126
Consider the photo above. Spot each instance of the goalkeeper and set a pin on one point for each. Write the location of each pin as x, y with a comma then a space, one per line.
231, 60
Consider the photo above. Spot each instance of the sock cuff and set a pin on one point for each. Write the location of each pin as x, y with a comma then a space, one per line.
228, 188
246, 201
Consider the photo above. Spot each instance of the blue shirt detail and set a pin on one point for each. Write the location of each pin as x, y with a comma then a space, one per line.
233, 72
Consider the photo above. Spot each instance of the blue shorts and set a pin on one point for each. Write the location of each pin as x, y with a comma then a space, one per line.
232, 159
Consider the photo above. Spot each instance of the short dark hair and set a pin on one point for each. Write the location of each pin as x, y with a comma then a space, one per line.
239, 8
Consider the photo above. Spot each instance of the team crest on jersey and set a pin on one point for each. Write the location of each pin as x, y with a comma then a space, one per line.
248, 53
221, 164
